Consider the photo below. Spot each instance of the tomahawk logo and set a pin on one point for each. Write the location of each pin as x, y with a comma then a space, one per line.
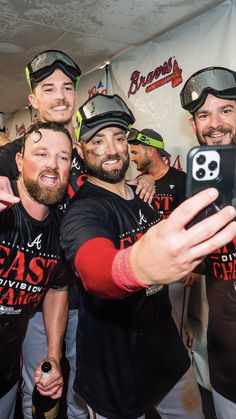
36, 242
142, 219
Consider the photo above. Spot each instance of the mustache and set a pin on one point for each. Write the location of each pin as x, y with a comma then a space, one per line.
211, 131
60, 102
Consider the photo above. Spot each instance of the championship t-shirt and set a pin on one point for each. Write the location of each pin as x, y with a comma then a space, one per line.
169, 191
221, 295
78, 174
31, 261
129, 353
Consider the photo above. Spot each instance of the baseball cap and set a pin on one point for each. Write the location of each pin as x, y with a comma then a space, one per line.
219, 81
148, 137
45, 63
102, 111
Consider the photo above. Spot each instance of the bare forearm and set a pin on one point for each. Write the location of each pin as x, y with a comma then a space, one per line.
55, 312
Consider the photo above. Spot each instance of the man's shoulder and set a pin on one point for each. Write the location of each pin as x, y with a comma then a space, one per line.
13, 147
7, 158
177, 172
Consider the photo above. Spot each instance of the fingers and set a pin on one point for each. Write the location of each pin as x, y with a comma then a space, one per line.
145, 188
5, 185
185, 212
7, 200
207, 228
226, 235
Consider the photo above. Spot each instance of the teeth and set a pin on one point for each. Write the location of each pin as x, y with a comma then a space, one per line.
219, 134
111, 161
59, 108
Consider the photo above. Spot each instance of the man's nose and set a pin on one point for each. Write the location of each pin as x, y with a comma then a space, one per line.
60, 94
216, 120
52, 162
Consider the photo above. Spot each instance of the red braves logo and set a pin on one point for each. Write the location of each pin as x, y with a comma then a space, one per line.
170, 71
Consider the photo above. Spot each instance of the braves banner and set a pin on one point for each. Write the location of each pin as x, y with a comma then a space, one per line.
156, 72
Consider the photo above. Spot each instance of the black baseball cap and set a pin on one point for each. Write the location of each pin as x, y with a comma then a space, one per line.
148, 137
102, 111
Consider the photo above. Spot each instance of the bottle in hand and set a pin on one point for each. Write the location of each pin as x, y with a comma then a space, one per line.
44, 407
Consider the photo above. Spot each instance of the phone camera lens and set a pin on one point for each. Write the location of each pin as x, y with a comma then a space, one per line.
212, 165
201, 159
200, 173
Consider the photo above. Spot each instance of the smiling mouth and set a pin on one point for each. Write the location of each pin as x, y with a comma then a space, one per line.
61, 108
217, 136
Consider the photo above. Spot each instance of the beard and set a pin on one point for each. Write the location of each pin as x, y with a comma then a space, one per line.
45, 196
113, 176
144, 164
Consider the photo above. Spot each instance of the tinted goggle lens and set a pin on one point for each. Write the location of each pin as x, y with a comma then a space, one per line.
213, 79
102, 105
47, 59
133, 135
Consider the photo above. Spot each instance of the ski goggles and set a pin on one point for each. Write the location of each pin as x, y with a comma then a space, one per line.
219, 81
101, 111
45, 63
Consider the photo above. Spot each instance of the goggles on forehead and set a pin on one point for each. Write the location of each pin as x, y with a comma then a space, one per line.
219, 81
103, 108
45, 63
135, 135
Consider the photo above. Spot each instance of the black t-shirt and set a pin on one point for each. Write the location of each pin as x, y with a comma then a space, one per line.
78, 174
31, 261
7, 159
129, 353
221, 295
170, 191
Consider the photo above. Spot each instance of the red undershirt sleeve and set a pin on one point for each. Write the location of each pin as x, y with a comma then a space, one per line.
105, 270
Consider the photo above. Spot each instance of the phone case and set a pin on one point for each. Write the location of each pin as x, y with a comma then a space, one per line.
212, 166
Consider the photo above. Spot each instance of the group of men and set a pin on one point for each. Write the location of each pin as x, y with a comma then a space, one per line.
129, 355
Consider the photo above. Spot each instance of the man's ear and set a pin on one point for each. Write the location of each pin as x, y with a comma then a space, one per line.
32, 100
79, 149
192, 124
19, 162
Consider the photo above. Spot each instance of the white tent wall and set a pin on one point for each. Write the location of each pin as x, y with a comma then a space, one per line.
207, 40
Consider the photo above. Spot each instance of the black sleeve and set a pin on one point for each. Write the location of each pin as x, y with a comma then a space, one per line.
7, 159
62, 275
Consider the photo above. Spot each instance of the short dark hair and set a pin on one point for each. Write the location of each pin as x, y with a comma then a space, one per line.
54, 126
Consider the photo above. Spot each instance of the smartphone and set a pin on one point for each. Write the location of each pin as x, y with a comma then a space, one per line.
212, 166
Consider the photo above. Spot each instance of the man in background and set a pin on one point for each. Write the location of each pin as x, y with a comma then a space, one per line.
210, 96
129, 352
148, 152
53, 79
32, 267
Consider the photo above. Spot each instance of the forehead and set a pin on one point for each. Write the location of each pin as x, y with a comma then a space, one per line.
47, 138
57, 77
137, 147
212, 102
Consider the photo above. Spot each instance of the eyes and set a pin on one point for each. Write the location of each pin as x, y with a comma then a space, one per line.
96, 141
52, 89
222, 112
60, 157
